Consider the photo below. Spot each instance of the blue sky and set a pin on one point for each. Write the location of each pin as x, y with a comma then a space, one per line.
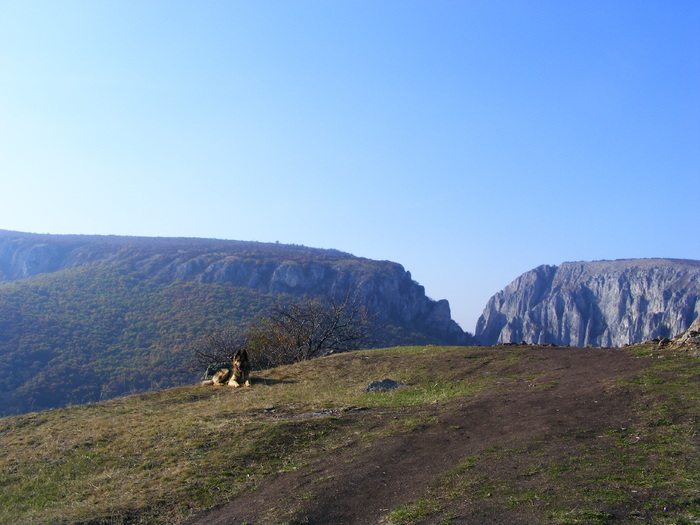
469, 141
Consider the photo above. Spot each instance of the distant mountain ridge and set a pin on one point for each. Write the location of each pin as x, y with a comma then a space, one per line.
384, 286
25, 254
601, 303
84, 318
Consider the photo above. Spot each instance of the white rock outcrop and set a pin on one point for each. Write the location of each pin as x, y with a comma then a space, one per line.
602, 303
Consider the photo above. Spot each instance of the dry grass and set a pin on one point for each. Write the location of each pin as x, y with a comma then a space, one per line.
126, 460
158, 458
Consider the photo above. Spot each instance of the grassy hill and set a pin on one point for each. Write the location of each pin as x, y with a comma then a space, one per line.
96, 332
476, 435
88, 318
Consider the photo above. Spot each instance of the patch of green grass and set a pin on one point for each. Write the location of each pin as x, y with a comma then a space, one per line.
422, 394
525, 497
582, 517
413, 511
408, 424
307, 496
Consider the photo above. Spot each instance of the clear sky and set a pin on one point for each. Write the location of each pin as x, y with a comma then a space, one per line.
469, 141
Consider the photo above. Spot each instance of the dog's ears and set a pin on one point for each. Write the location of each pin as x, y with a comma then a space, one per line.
240, 354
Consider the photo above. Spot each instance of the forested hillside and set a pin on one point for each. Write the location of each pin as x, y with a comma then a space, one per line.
85, 318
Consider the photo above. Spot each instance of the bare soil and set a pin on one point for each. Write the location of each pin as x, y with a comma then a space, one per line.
553, 400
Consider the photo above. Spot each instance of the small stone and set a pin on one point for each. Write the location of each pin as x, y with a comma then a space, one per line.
379, 386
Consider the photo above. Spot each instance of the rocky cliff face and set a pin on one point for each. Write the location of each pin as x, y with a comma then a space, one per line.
384, 287
605, 303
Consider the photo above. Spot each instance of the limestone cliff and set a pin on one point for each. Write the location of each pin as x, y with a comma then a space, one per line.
603, 303
386, 288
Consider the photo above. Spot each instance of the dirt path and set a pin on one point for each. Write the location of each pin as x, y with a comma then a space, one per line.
550, 392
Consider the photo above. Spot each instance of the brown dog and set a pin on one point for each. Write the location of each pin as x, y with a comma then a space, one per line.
241, 369
236, 374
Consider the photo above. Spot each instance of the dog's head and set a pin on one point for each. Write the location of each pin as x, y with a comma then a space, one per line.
240, 359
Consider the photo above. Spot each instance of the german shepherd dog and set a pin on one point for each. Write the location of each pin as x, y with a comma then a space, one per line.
236, 374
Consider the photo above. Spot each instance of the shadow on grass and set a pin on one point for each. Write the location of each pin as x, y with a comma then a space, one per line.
270, 382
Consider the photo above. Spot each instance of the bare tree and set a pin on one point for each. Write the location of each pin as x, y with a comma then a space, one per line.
311, 328
292, 332
216, 350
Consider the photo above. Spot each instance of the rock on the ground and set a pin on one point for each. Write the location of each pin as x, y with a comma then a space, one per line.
386, 384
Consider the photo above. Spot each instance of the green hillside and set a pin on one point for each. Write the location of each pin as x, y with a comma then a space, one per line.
95, 332
99, 331
88, 318
500, 435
